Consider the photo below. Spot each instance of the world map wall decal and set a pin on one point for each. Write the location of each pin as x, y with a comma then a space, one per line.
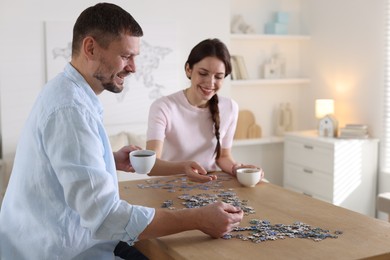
157, 70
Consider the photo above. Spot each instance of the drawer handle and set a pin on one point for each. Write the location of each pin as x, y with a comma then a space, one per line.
308, 171
310, 147
307, 194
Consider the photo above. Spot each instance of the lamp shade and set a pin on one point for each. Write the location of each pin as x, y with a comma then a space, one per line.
324, 107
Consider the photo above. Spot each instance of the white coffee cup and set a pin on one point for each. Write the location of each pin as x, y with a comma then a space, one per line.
248, 177
142, 160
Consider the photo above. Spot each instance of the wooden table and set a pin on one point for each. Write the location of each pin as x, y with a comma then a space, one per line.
363, 237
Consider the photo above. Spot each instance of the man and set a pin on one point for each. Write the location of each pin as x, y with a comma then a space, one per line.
62, 201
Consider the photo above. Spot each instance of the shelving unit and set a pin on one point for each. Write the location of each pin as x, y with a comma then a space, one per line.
261, 95
256, 49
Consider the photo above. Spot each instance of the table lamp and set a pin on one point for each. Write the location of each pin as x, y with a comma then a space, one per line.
324, 110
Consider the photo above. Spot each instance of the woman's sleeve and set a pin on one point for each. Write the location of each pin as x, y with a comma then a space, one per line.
157, 121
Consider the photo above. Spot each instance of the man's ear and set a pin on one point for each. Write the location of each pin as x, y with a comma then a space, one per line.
88, 47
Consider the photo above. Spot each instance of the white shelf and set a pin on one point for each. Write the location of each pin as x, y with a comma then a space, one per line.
268, 37
285, 81
258, 141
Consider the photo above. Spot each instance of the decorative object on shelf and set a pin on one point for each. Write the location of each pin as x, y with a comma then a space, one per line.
279, 129
287, 115
275, 67
281, 61
246, 126
279, 25
354, 131
239, 70
238, 25
283, 119
328, 124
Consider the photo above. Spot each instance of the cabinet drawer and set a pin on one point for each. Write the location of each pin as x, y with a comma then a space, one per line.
315, 196
310, 182
309, 155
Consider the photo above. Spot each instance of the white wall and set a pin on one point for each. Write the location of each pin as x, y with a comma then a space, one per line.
347, 63
22, 52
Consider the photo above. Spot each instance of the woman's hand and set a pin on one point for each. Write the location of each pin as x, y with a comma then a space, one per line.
197, 173
122, 160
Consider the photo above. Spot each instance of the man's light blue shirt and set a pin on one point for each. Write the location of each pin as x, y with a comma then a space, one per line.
62, 201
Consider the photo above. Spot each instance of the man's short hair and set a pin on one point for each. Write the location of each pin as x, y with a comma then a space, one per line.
104, 22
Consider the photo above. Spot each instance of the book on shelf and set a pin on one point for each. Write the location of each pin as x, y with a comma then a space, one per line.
354, 131
235, 71
356, 126
239, 70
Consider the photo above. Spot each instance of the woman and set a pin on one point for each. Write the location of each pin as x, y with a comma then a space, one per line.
196, 123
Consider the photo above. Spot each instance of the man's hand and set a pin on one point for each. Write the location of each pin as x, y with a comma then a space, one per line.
219, 218
122, 160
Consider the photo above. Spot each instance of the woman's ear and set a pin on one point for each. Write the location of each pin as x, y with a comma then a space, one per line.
188, 71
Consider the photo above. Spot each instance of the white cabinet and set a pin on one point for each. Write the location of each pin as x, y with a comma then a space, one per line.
339, 171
